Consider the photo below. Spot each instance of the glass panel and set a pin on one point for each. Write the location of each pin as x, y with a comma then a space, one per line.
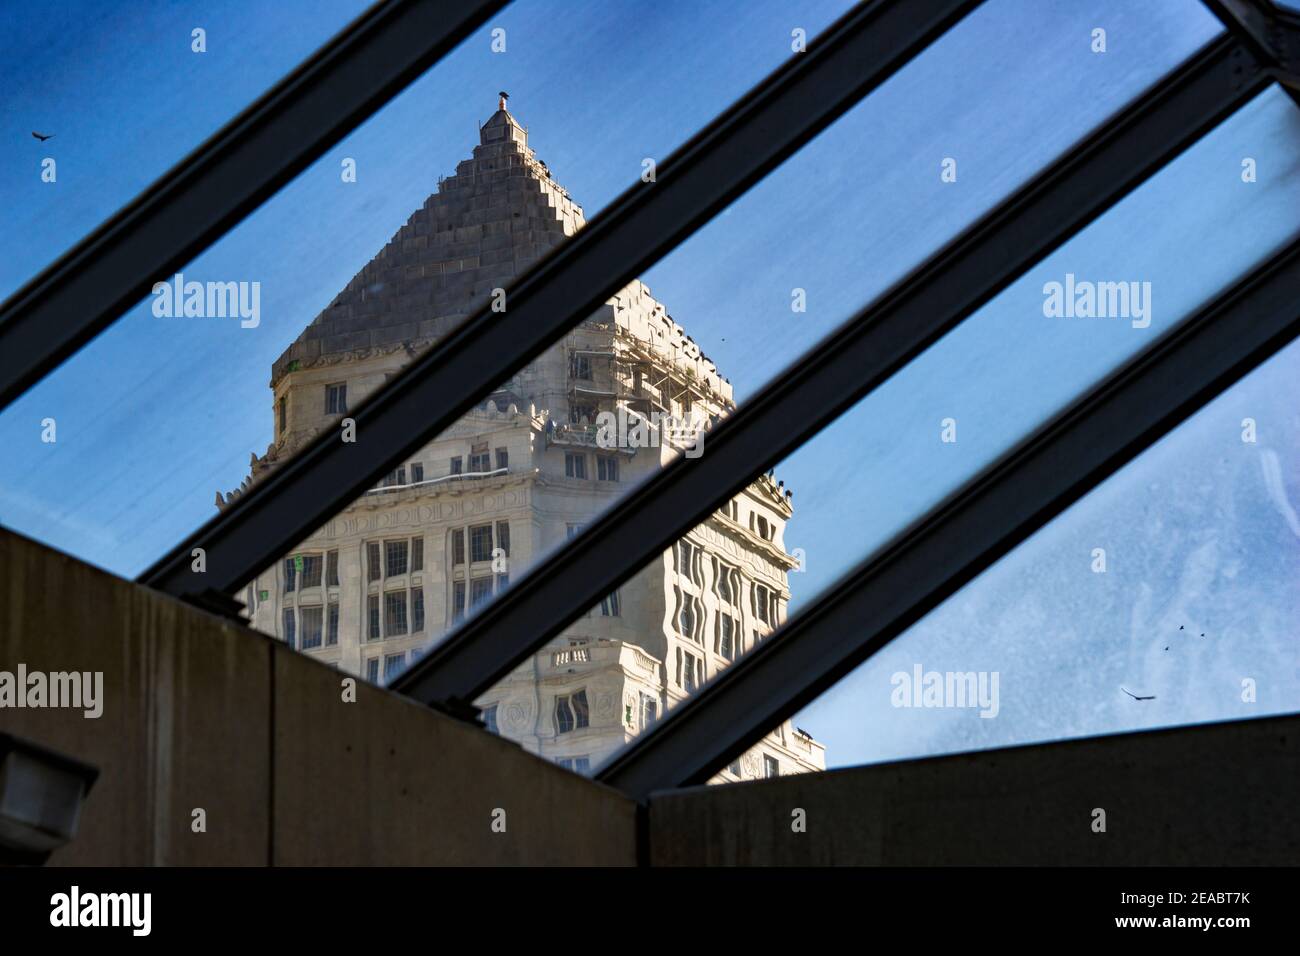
1168, 595
123, 92
516, 461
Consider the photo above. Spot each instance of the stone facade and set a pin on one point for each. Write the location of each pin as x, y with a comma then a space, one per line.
515, 478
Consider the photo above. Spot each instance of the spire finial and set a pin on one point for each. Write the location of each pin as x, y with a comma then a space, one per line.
501, 101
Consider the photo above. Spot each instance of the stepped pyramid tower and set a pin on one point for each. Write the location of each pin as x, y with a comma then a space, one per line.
515, 478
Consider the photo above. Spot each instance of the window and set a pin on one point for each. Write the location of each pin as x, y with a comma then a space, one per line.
606, 468
417, 610
395, 477
284, 413
649, 710
580, 367
503, 458
395, 557
289, 627
332, 628
417, 472
311, 570
456, 466
691, 669
759, 603
336, 398
312, 626
479, 459
458, 547
393, 664
611, 605
771, 766
575, 465
577, 764
480, 543
687, 563
373, 633
503, 537
372, 670
480, 591
417, 554
290, 575
571, 531
332, 568
490, 719
394, 613
734, 767
726, 581
503, 582
727, 629
373, 571
686, 617
580, 413
571, 712
457, 602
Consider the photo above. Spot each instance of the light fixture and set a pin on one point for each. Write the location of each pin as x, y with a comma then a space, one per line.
41, 792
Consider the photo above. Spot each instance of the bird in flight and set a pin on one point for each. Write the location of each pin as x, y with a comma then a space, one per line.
41, 137
1135, 696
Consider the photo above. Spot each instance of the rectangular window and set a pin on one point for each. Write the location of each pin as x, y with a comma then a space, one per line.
490, 719
395, 477
479, 459
722, 575
458, 546
456, 466
373, 632
284, 413
771, 766
336, 398
582, 413
394, 613
575, 466
503, 582
332, 628
332, 568
395, 557
417, 610
290, 575
311, 570
759, 604
458, 602
571, 531
503, 458
726, 637
580, 367
571, 713
417, 554
689, 671
480, 543
503, 537
373, 570
686, 616
734, 767
289, 627
480, 591
606, 468
611, 605
312, 626
649, 710
393, 664
679, 667
372, 670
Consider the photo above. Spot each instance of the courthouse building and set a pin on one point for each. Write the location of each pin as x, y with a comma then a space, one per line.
515, 478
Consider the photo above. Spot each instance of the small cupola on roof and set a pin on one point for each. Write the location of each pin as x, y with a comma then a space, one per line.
502, 126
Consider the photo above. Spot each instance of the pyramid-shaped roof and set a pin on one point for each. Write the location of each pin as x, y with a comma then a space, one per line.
486, 224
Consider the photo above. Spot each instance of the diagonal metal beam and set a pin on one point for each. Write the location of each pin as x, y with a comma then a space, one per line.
852, 57
212, 189
969, 531
1271, 32
841, 370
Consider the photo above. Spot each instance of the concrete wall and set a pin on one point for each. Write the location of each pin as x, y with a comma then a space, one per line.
202, 713
1216, 794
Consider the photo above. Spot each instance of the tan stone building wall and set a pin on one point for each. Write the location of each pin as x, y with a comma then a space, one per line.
515, 478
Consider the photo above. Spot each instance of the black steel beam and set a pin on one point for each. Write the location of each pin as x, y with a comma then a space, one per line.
969, 531
1271, 32
807, 94
851, 362
226, 178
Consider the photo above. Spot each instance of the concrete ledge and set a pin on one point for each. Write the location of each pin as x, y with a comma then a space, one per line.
1213, 794
199, 712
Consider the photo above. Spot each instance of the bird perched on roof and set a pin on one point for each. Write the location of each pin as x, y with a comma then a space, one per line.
501, 99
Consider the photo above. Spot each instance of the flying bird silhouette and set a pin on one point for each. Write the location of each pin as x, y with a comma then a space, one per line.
1135, 696
41, 137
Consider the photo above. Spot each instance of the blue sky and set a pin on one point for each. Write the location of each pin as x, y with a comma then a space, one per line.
155, 416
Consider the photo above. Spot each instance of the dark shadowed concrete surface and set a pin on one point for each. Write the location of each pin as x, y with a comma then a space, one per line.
1214, 794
